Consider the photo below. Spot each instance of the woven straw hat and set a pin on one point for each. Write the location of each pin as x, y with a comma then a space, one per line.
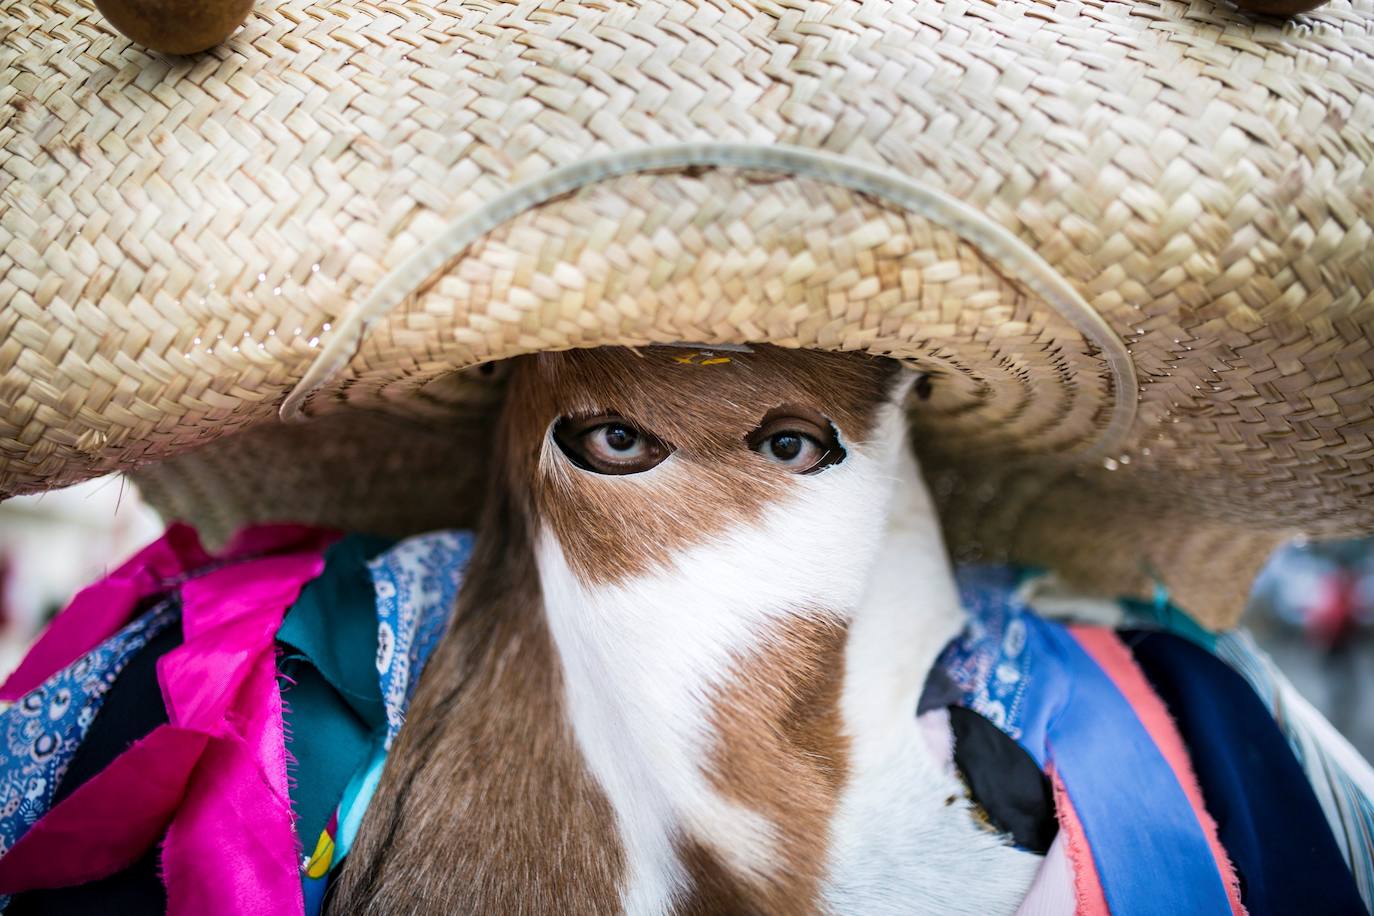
1130, 243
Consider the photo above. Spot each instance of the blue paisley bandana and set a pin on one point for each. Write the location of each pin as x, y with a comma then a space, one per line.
43, 729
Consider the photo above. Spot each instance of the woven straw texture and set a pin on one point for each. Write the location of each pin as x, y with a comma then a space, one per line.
1129, 242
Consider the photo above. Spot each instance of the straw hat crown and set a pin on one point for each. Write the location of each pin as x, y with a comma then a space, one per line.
1130, 243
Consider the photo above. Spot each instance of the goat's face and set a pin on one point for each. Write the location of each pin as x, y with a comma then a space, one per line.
683, 669
630, 458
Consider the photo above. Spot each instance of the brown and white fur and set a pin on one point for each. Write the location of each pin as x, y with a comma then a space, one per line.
691, 689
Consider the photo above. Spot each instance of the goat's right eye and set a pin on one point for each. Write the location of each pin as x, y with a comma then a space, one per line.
607, 444
793, 450
797, 439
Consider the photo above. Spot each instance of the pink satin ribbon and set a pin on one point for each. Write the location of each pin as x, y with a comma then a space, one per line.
214, 777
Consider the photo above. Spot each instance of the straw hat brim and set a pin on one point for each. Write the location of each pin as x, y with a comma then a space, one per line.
1129, 243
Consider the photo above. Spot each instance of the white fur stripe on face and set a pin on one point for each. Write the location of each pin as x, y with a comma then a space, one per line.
899, 846
643, 657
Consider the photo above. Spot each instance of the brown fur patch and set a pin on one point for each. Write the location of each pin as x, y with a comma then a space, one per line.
485, 805
614, 527
780, 750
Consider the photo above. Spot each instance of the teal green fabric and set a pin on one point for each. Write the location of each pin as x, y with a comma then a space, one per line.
333, 624
331, 696
1168, 617
327, 742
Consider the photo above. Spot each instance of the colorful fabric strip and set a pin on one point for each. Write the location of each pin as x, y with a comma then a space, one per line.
1116, 662
43, 730
214, 777
1342, 780
337, 839
1032, 678
101, 609
415, 584
1268, 815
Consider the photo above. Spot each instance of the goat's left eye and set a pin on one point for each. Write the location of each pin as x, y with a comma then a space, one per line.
608, 445
616, 442
795, 450
800, 444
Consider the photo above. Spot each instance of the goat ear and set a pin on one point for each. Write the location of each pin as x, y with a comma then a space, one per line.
910, 381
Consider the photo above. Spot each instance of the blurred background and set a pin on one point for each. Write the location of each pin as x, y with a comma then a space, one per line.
53, 544
1312, 608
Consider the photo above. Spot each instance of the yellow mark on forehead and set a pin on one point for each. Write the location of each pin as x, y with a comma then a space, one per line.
708, 358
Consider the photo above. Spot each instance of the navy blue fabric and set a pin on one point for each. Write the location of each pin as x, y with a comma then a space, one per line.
1267, 816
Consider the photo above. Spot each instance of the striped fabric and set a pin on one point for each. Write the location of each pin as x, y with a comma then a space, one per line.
1341, 778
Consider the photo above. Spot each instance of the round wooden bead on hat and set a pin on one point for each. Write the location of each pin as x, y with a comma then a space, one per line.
176, 26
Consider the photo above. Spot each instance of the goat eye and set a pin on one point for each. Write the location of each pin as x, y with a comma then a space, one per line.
801, 444
615, 442
608, 445
793, 449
